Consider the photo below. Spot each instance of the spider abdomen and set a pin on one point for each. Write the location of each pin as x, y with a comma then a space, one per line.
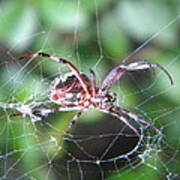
66, 90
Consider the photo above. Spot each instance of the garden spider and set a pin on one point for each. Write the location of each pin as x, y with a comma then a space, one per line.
75, 91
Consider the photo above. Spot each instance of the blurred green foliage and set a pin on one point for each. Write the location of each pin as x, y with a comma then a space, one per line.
96, 34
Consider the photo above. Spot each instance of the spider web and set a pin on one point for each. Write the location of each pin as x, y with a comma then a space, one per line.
100, 146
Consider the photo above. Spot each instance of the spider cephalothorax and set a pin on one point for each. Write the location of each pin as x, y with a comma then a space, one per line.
75, 91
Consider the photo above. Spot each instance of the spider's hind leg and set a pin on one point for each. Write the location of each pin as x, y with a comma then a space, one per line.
123, 115
136, 117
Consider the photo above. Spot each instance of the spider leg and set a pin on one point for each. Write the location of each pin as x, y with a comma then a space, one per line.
61, 60
74, 120
121, 114
93, 78
135, 117
32, 109
44, 112
117, 72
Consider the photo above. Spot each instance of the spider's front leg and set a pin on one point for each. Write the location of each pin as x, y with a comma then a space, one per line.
117, 72
63, 61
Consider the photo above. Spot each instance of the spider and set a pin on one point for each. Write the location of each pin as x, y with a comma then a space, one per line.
76, 91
